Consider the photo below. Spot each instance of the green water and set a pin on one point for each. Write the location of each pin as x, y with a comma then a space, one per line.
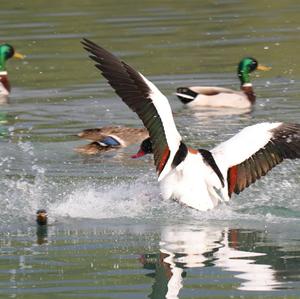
110, 234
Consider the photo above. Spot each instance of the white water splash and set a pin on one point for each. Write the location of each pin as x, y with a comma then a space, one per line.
109, 201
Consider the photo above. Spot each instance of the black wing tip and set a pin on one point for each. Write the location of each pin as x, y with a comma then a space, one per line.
287, 126
87, 42
287, 130
90, 46
98, 53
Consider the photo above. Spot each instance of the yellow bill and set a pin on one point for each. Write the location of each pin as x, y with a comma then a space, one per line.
18, 55
263, 67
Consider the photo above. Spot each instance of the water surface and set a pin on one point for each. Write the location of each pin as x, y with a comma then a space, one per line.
110, 234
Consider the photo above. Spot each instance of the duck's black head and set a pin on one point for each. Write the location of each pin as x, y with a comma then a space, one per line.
145, 148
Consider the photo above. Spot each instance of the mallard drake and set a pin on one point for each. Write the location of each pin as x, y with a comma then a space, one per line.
206, 96
192, 176
6, 52
108, 138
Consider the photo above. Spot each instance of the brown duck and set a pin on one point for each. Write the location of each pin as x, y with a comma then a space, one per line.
110, 138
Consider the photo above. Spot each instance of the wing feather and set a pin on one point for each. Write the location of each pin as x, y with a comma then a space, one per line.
143, 97
273, 143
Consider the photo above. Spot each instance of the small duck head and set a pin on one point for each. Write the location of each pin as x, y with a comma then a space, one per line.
6, 52
145, 148
248, 65
41, 217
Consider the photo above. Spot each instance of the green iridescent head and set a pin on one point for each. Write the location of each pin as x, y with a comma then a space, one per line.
6, 52
245, 67
248, 65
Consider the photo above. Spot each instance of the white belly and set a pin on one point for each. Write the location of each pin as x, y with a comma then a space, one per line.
192, 183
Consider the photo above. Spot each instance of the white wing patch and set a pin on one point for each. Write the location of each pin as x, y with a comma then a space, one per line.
164, 111
243, 145
163, 108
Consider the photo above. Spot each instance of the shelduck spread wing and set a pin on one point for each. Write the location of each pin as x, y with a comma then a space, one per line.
254, 151
144, 98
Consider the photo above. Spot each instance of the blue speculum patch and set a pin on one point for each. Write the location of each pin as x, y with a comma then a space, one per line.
110, 141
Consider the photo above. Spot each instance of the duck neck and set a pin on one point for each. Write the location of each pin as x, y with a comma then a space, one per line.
246, 85
4, 80
248, 90
244, 76
2, 62
180, 155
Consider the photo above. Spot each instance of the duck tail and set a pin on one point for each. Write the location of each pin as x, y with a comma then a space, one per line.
185, 94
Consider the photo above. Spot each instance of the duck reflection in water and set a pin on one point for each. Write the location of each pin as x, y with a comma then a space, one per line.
182, 249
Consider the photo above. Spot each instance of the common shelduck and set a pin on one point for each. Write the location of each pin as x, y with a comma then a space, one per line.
197, 177
108, 138
6, 52
206, 96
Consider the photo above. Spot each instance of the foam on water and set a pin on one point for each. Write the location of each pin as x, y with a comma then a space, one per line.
114, 200
275, 198
138, 200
